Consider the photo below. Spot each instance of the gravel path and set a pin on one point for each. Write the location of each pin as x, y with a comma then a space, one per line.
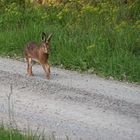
70, 104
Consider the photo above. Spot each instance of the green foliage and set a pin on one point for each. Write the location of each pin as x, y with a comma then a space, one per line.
14, 134
97, 36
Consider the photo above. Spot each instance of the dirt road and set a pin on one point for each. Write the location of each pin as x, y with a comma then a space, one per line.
70, 104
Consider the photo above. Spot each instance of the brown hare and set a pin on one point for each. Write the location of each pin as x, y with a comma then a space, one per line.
38, 53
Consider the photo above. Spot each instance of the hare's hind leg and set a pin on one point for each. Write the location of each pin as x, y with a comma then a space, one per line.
29, 66
46, 68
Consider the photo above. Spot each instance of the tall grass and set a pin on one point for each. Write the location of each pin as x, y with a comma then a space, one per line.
14, 134
102, 38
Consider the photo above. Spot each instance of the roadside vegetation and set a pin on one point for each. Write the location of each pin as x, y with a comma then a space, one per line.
14, 134
101, 37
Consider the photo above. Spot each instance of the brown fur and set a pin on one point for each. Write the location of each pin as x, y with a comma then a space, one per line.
38, 53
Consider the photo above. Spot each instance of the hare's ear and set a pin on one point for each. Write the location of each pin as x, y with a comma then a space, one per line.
49, 37
43, 36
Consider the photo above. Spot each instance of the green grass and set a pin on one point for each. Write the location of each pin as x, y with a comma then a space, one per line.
103, 39
14, 134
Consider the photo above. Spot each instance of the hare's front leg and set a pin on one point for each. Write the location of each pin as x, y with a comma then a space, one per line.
46, 68
29, 67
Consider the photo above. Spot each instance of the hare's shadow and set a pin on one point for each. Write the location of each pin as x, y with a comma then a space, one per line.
40, 73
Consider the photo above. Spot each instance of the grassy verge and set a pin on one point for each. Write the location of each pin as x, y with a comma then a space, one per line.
14, 134
101, 38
